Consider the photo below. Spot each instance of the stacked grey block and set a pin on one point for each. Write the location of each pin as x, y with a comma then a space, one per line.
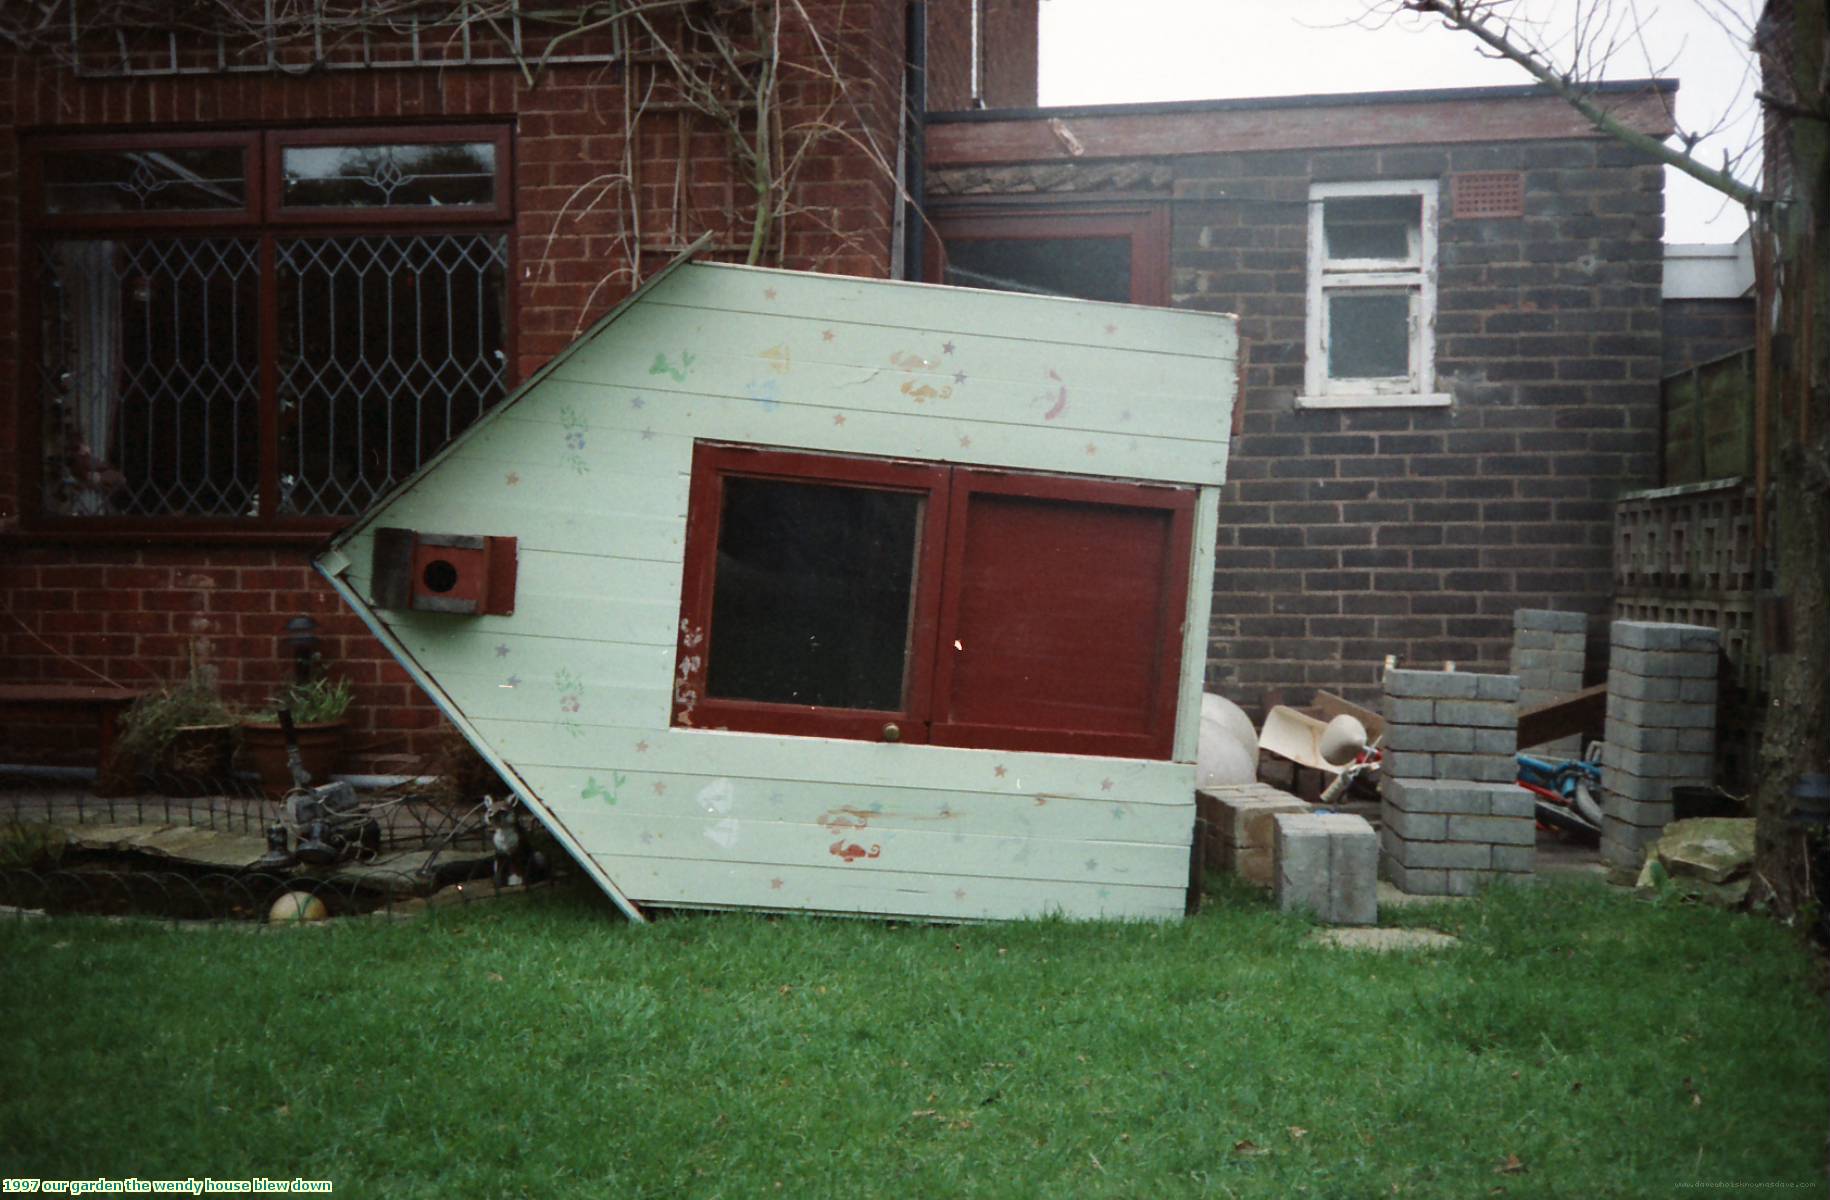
1452, 816
1661, 729
1547, 656
1445, 837
1451, 725
1327, 863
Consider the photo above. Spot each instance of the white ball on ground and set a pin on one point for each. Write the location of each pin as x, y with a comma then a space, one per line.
297, 907
1228, 748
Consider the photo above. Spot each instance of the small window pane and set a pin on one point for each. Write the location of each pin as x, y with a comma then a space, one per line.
435, 174
1372, 227
388, 347
812, 596
199, 178
1369, 335
149, 377
1084, 268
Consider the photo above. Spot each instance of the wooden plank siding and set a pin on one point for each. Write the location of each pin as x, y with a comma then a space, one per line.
589, 468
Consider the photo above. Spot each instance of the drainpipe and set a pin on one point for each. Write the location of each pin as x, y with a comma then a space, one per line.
914, 137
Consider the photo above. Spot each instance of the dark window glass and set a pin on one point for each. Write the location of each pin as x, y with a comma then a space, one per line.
434, 174
149, 366
1092, 268
388, 347
812, 594
1376, 227
1369, 335
198, 178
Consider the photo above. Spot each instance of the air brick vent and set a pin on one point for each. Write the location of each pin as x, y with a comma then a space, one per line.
1488, 194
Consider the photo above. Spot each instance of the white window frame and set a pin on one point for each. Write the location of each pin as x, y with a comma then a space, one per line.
1414, 274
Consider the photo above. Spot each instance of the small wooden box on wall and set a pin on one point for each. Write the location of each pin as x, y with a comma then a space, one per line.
467, 574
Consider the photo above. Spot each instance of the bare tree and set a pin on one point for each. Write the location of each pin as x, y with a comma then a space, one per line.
1790, 214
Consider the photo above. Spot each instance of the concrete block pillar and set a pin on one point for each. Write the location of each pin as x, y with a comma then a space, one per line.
1547, 656
1661, 730
1451, 814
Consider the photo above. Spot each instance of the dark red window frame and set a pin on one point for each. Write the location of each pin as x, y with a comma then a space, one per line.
263, 220
1145, 223
936, 609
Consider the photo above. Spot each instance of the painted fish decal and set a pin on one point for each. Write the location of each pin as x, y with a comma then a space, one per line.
851, 852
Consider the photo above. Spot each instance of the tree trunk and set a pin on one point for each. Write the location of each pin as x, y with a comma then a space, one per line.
1797, 735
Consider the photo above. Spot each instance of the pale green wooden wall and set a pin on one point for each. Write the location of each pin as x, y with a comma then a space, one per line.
588, 467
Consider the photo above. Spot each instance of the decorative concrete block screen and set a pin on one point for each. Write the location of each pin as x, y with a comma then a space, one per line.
1452, 817
954, 420
1548, 649
1661, 729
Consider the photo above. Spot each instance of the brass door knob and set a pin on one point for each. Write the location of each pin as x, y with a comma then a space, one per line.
892, 732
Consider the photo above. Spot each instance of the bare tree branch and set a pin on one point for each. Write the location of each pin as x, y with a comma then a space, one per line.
1478, 18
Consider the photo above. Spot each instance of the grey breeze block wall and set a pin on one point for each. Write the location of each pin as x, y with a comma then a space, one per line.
1349, 535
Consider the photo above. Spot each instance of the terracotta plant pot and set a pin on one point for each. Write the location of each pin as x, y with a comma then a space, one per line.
197, 761
320, 749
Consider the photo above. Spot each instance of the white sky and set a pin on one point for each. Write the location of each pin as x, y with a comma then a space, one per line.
1124, 51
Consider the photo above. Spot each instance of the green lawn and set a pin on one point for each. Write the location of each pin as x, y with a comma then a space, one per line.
1595, 1044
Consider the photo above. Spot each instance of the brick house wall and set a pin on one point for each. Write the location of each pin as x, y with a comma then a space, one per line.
1007, 53
80, 608
1350, 534
1702, 330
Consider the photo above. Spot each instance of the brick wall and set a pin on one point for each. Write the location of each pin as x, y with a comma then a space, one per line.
1700, 331
132, 613
1008, 53
1348, 535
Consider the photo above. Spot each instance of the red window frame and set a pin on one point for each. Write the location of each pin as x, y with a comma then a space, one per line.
1145, 224
264, 221
935, 615
714, 463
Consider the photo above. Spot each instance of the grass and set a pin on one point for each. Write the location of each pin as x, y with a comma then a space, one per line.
1576, 1043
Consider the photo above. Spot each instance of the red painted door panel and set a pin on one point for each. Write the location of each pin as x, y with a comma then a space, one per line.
1061, 617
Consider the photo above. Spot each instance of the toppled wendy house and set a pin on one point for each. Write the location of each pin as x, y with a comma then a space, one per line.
267, 275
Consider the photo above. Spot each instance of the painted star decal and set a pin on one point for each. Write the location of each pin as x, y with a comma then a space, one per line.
959, 377
826, 335
513, 478
946, 347
660, 789
1105, 785
998, 771
768, 293
648, 435
959, 893
838, 418
1092, 864
637, 402
1092, 449
965, 443
1111, 328
775, 885
641, 747
501, 649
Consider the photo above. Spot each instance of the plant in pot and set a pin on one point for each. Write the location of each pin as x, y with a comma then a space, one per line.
182, 735
318, 705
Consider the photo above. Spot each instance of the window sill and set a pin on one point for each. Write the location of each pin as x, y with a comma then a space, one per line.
1396, 400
